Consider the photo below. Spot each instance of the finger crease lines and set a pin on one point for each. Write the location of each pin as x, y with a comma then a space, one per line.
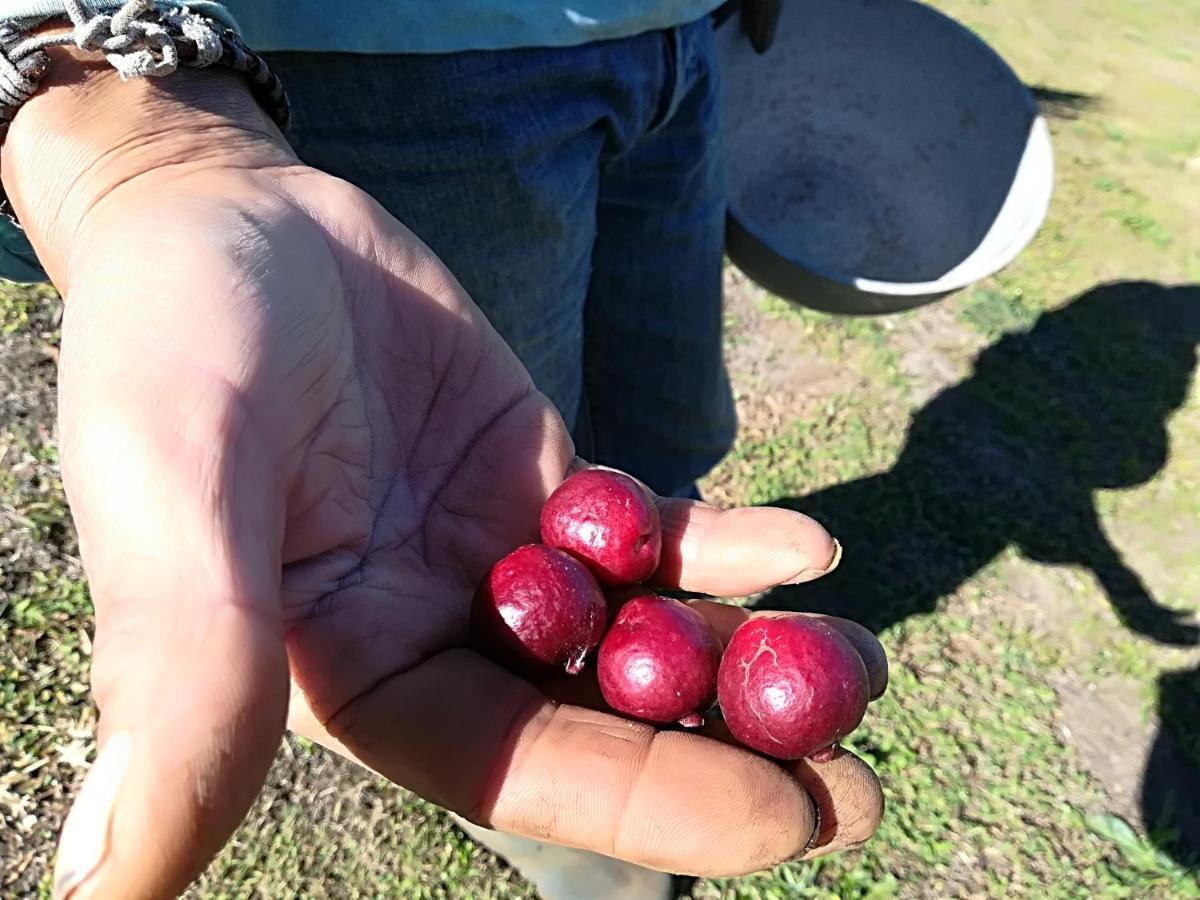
485, 805
622, 815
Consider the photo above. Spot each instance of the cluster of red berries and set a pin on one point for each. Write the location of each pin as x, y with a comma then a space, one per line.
787, 685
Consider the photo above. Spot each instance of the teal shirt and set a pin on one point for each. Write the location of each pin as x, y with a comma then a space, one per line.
426, 26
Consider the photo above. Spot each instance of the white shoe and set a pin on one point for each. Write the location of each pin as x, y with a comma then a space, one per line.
565, 873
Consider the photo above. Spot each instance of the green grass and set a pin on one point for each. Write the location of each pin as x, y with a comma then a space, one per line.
974, 443
968, 719
363, 840
985, 798
994, 313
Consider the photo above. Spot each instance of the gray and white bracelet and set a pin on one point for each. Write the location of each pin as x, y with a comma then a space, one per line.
141, 38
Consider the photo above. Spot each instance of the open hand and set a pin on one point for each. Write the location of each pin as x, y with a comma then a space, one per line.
293, 446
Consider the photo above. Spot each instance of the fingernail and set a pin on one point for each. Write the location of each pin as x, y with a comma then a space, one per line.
84, 841
824, 756
813, 574
815, 840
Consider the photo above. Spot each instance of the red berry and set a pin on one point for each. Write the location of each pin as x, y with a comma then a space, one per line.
791, 685
538, 608
659, 661
609, 522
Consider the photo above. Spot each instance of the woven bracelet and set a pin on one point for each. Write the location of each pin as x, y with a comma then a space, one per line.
139, 39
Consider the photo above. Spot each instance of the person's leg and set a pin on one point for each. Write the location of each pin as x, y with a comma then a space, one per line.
657, 395
492, 159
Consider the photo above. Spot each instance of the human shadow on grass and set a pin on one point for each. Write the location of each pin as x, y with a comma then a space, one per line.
1012, 457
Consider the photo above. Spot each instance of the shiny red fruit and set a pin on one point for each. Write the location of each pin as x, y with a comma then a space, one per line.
659, 661
538, 608
609, 522
791, 685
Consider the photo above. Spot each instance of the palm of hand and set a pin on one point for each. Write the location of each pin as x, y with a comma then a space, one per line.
427, 459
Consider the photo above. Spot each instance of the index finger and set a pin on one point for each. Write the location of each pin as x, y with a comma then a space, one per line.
734, 552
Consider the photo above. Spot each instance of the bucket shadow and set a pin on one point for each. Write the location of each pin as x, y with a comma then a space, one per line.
1012, 457
1058, 104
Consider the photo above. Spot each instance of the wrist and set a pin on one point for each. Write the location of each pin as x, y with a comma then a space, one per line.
87, 137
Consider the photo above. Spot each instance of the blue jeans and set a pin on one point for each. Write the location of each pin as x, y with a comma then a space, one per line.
578, 195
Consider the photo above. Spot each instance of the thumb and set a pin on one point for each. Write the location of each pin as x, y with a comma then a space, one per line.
180, 530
